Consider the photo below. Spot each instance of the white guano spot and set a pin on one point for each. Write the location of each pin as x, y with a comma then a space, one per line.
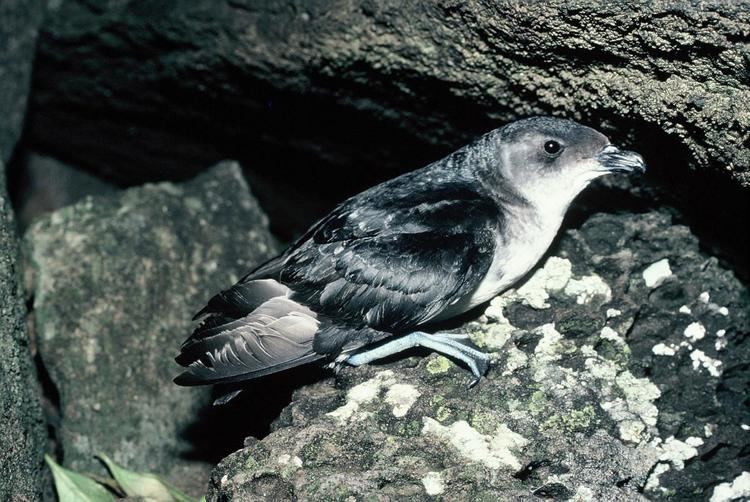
695, 331
704, 297
723, 311
493, 451
401, 396
433, 483
700, 359
745, 427
736, 490
685, 310
656, 273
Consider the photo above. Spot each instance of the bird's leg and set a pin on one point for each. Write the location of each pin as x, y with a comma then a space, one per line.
456, 345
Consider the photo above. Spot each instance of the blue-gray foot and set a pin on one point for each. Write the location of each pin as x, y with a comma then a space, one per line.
455, 345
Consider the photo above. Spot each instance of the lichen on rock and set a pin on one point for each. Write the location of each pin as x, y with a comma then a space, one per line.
577, 404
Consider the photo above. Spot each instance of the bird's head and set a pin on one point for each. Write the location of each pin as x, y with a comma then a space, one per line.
549, 161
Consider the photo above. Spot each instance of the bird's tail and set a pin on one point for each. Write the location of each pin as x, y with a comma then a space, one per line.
276, 335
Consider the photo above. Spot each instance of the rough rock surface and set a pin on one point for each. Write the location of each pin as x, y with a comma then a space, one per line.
50, 185
621, 373
23, 437
115, 282
20, 24
335, 80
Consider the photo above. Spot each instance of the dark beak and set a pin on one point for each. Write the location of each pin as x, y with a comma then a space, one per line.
614, 160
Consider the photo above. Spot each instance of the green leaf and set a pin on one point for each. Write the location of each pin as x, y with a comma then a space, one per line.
74, 487
144, 485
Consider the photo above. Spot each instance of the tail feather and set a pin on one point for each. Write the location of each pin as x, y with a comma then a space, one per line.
277, 335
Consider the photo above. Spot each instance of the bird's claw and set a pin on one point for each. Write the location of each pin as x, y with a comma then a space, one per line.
337, 364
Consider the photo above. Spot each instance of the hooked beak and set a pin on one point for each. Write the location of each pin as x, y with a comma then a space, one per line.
614, 160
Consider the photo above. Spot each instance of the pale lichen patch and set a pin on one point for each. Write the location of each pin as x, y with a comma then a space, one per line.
675, 451
433, 483
495, 451
608, 333
613, 313
661, 349
653, 480
737, 489
401, 397
583, 494
554, 276
695, 331
514, 360
438, 365
290, 460
587, 288
363, 393
701, 360
636, 412
656, 273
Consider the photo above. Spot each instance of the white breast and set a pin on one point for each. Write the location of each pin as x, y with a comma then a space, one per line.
515, 254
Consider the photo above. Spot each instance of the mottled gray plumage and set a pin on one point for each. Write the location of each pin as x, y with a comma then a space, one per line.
392, 260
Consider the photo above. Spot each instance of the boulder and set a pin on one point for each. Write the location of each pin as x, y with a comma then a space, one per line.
49, 184
115, 282
620, 373
23, 435
367, 87
21, 20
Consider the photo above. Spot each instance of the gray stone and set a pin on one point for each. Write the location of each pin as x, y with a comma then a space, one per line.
50, 184
620, 373
23, 436
338, 80
18, 33
115, 282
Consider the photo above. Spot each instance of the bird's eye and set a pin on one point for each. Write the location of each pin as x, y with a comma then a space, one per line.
552, 147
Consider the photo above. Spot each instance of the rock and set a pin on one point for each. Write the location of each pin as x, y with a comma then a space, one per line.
116, 280
21, 20
23, 436
50, 184
384, 85
581, 403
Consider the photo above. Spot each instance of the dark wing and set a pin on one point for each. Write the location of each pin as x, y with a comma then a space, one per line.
396, 259
384, 262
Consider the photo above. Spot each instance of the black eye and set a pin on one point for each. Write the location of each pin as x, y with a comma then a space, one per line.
552, 147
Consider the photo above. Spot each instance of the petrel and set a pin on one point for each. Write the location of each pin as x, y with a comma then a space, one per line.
374, 276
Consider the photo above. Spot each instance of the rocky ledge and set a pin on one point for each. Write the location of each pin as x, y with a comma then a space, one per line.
620, 373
